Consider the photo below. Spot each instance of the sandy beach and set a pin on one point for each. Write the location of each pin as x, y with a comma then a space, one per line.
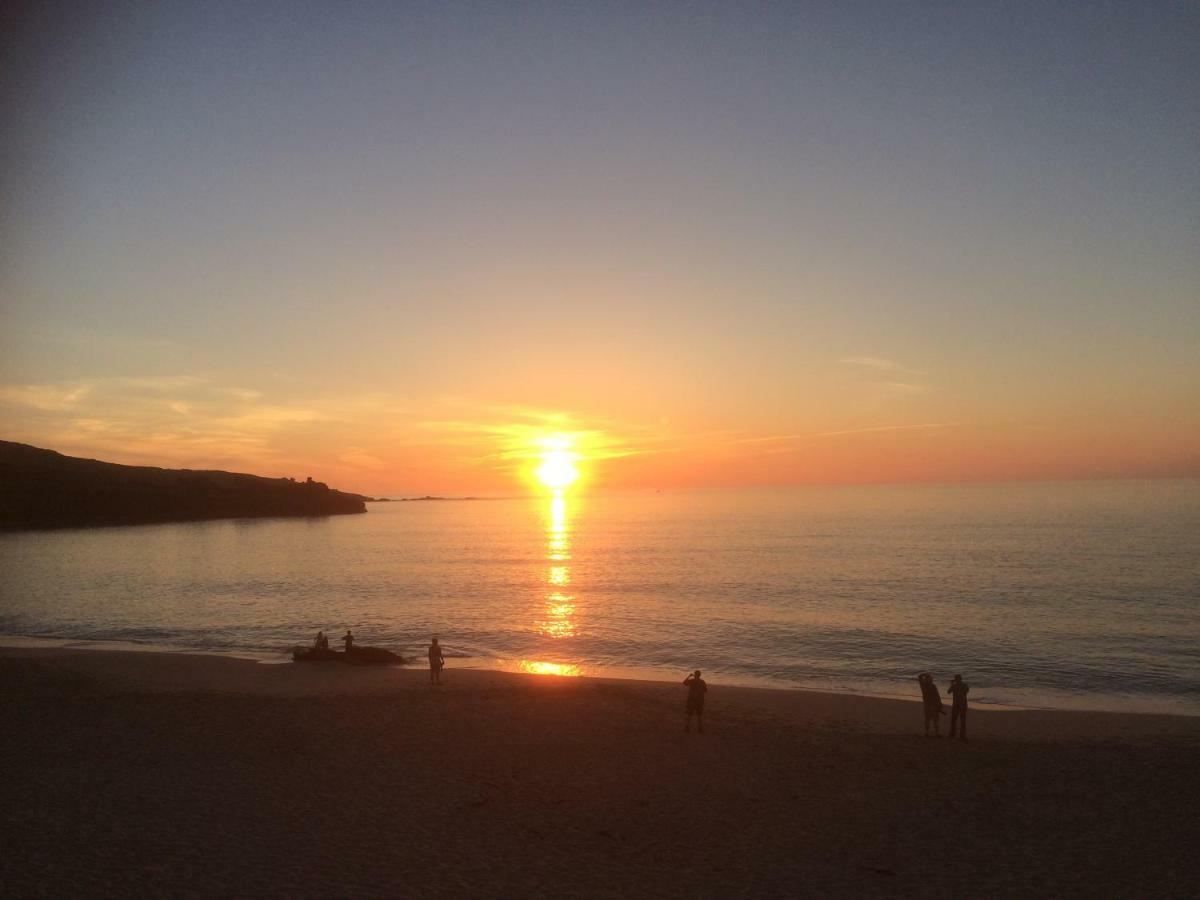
170, 774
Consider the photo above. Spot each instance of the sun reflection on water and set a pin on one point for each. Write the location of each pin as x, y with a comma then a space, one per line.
557, 543
559, 605
536, 667
559, 609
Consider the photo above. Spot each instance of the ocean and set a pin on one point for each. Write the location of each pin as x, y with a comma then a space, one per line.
1079, 595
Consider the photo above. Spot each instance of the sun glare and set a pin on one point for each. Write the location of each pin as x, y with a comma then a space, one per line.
537, 667
557, 470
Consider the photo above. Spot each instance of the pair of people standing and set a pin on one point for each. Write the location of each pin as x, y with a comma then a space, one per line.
322, 641
934, 708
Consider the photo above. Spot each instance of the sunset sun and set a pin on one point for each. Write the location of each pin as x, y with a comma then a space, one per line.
557, 470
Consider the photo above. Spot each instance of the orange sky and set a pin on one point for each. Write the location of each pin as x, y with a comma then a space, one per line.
371, 446
395, 248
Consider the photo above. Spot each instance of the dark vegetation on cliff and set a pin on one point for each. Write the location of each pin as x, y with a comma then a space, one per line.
44, 489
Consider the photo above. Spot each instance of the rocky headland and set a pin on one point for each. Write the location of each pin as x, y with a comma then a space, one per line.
44, 489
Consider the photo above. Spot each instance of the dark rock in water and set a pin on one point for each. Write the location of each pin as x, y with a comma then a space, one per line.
373, 656
359, 656
316, 654
44, 489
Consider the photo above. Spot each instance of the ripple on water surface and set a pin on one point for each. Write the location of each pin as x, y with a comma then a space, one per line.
1083, 595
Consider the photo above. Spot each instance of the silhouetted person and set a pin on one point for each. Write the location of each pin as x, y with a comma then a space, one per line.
322, 642
932, 701
695, 700
958, 709
348, 640
436, 661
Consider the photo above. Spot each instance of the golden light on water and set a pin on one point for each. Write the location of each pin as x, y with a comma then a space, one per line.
537, 667
558, 516
557, 471
559, 610
557, 545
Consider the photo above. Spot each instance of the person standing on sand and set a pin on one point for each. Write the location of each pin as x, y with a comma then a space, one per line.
958, 710
348, 640
695, 700
932, 702
436, 661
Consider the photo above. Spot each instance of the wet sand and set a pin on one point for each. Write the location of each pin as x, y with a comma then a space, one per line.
138, 773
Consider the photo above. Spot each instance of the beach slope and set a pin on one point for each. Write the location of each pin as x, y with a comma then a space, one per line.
168, 774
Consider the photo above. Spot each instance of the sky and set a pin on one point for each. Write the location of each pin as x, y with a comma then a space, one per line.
399, 247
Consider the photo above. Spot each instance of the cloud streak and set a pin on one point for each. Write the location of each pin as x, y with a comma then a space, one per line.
45, 397
506, 437
167, 419
881, 428
874, 363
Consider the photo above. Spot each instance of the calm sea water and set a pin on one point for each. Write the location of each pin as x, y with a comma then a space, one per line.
1080, 595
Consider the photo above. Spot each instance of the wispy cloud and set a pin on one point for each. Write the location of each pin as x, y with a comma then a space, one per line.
361, 459
923, 425
506, 437
45, 397
787, 438
771, 438
881, 382
181, 418
157, 383
874, 363
369, 438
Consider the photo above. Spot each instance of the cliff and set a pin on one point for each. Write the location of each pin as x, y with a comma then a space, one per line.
44, 489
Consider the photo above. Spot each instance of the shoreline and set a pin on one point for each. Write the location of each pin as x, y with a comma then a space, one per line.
270, 658
156, 672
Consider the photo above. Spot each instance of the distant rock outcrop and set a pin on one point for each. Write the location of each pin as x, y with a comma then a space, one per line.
44, 489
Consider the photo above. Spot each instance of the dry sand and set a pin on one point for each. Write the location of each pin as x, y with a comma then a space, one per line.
165, 774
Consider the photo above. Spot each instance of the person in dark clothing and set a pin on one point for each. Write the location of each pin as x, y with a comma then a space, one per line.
436, 662
932, 702
322, 642
348, 640
695, 700
958, 709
